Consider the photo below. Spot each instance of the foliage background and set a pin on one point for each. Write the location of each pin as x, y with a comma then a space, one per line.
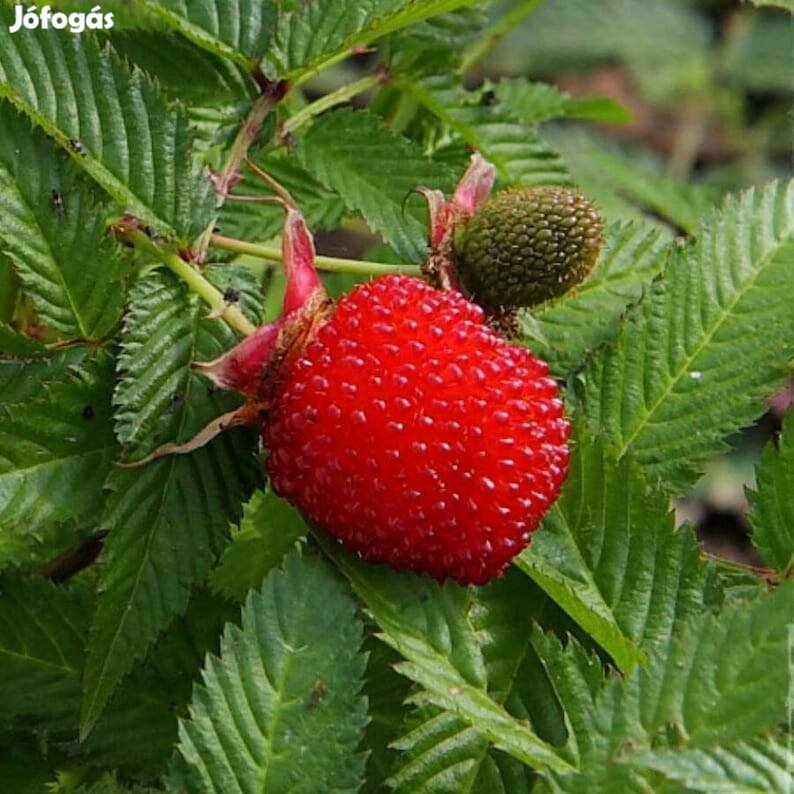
637, 663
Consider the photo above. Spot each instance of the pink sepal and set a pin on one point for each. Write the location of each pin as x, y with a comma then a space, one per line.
297, 252
241, 368
475, 185
439, 213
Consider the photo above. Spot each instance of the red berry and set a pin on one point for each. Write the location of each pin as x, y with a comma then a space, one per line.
416, 435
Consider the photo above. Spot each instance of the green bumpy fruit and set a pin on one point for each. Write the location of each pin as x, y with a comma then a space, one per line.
525, 246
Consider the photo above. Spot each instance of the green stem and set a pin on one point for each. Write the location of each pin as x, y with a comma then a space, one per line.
342, 94
330, 263
497, 31
193, 278
300, 76
246, 135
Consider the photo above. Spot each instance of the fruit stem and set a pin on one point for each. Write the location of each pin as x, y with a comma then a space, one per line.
192, 277
342, 94
331, 264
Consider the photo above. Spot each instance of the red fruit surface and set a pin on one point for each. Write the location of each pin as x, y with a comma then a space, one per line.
418, 436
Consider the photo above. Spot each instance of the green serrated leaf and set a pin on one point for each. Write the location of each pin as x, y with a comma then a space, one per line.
185, 72
270, 527
168, 518
281, 709
42, 632
138, 730
437, 43
694, 360
386, 692
772, 513
608, 553
722, 678
565, 330
429, 626
158, 398
55, 451
315, 34
239, 30
759, 766
577, 679
50, 219
14, 343
24, 378
113, 122
373, 170
440, 752
520, 155
45, 628
533, 103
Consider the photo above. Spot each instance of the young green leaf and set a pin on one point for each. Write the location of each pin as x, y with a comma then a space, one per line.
120, 130
281, 708
772, 513
565, 330
50, 219
168, 518
429, 626
269, 528
356, 154
56, 451
694, 360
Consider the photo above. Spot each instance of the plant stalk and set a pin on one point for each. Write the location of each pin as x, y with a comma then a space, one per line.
193, 278
331, 264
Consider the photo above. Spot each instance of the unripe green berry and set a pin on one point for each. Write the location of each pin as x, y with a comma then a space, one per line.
525, 246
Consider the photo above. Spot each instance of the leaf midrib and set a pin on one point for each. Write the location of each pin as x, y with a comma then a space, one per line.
172, 464
688, 360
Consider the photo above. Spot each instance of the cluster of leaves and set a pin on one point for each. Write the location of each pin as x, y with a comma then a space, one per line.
612, 657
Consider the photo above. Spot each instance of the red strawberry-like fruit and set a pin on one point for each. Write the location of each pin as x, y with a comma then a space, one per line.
416, 435
397, 420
